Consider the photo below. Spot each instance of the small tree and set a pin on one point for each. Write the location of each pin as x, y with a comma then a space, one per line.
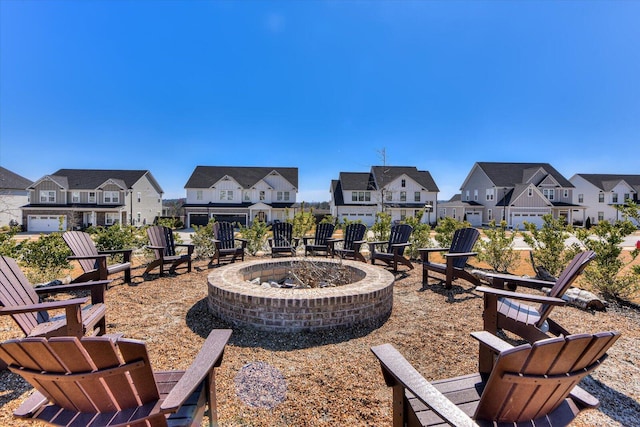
548, 244
8, 245
303, 222
45, 257
420, 236
445, 229
605, 273
382, 227
202, 239
256, 235
497, 250
117, 237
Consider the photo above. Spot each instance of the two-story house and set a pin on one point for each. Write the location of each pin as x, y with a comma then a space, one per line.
240, 194
601, 193
513, 192
13, 195
78, 198
401, 191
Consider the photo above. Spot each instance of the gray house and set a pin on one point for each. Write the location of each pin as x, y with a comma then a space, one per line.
401, 191
13, 195
513, 192
240, 194
77, 198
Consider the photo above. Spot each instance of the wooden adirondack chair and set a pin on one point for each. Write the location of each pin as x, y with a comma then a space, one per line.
394, 252
456, 258
94, 262
225, 242
108, 381
351, 243
531, 384
162, 244
503, 309
21, 301
323, 233
282, 240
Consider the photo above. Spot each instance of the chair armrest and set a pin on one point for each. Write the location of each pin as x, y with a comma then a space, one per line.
190, 247
115, 251
543, 299
43, 306
154, 247
79, 257
460, 254
210, 356
527, 282
427, 250
494, 343
400, 245
331, 240
378, 243
399, 372
72, 287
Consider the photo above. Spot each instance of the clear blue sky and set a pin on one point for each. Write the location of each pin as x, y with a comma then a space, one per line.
320, 85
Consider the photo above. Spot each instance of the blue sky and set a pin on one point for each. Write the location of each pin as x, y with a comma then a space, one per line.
324, 86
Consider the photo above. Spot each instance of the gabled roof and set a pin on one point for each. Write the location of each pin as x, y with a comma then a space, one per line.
385, 174
247, 177
336, 190
90, 179
510, 174
12, 181
356, 181
606, 182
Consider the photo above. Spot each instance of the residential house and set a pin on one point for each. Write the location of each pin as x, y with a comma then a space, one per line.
240, 194
78, 198
513, 192
13, 194
402, 191
602, 193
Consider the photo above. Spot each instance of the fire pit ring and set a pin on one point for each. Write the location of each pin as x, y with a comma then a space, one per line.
368, 300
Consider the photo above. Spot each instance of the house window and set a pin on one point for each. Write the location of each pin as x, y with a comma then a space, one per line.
283, 195
111, 218
403, 196
490, 214
403, 214
614, 198
263, 195
600, 216
467, 194
389, 196
626, 197
138, 218
139, 196
565, 193
454, 213
416, 196
403, 183
226, 194
111, 196
600, 197
530, 192
581, 198
198, 194
247, 196
489, 194
354, 196
75, 197
47, 196
92, 196
475, 195
443, 212
549, 193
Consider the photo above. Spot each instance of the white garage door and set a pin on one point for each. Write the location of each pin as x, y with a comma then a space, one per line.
45, 223
519, 219
474, 218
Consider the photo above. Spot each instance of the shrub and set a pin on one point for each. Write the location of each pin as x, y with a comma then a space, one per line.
45, 258
303, 222
548, 244
497, 250
256, 236
445, 229
117, 237
8, 245
382, 227
202, 239
420, 236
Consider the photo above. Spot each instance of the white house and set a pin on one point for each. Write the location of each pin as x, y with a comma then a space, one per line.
601, 193
13, 195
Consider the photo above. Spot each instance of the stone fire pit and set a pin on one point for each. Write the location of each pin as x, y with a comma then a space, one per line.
368, 300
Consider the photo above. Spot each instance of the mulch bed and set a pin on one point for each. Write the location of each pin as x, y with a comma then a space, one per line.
332, 378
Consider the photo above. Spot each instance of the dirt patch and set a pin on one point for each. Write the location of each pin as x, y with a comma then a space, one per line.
331, 378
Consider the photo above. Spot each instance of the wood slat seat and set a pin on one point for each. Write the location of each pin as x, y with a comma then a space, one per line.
320, 240
351, 243
512, 311
283, 241
93, 262
226, 243
531, 384
456, 257
163, 245
394, 247
108, 381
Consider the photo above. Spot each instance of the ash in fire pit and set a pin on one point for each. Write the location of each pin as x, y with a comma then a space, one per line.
309, 273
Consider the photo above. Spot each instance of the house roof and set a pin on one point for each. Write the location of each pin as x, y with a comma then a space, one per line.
89, 179
606, 182
12, 181
510, 174
385, 174
356, 181
336, 189
247, 177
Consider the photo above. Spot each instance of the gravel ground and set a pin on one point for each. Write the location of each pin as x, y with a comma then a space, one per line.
332, 378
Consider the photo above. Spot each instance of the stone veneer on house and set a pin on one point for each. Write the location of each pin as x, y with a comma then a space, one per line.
368, 300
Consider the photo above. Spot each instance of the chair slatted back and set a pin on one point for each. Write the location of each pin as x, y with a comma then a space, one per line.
162, 236
324, 231
15, 291
354, 232
530, 381
81, 244
463, 241
566, 279
400, 233
91, 375
223, 232
282, 234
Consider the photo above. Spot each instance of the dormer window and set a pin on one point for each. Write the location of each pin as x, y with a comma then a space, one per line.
75, 197
92, 196
112, 197
549, 193
47, 196
601, 197
403, 183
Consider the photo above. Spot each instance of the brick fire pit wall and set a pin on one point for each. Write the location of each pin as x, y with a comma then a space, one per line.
368, 300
